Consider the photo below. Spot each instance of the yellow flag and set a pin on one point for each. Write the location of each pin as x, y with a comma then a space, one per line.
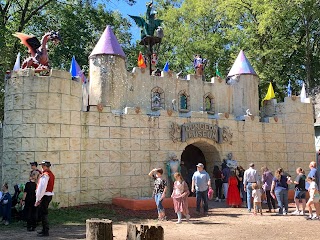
270, 93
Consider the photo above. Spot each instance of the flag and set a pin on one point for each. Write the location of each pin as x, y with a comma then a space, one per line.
166, 67
270, 93
141, 62
289, 92
16, 66
76, 71
218, 74
303, 95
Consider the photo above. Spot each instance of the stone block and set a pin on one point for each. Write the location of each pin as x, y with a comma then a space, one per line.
130, 121
24, 130
70, 131
119, 156
149, 145
71, 186
117, 182
139, 133
84, 183
17, 101
109, 120
98, 132
95, 156
29, 101
109, 169
89, 196
58, 144
90, 144
90, 118
57, 85
67, 157
35, 144
119, 132
35, 116
36, 85
96, 182
60, 74
89, 170
7, 131
49, 101
13, 117
75, 144
140, 156
76, 89
58, 116
130, 192
8, 103
24, 158
53, 156
139, 181
48, 130
71, 103
75, 117
110, 144
130, 169
106, 195
74, 198
167, 145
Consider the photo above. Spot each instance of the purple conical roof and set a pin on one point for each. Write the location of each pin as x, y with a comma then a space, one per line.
108, 44
241, 66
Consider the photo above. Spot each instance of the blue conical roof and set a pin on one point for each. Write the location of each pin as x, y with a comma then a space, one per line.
241, 66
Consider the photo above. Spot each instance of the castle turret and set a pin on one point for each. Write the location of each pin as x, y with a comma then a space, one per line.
107, 72
245, 84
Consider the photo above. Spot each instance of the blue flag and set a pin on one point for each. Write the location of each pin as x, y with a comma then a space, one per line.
289, 92
166, 67
76, 71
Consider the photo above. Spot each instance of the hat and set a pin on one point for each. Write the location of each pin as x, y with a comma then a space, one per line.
251, 165
200, 165
34, 164
45, 163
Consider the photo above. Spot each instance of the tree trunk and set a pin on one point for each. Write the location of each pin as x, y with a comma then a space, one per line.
145, 233
99, 229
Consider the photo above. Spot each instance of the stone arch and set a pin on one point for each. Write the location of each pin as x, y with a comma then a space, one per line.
208, 103
157, 98
184, 101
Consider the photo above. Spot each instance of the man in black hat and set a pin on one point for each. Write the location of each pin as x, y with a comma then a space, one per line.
44, 195
34, 167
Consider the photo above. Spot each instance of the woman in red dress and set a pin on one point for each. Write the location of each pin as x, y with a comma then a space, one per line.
233, 199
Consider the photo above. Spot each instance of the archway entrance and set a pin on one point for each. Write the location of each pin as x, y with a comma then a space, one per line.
191, 156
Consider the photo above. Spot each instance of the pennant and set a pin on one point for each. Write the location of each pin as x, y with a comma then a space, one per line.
303, 95
270, 94
141, 62
76, 71
289, 92
16, 66
218, 74
166, 67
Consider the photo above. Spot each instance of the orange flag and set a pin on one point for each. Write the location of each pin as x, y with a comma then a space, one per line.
141, 62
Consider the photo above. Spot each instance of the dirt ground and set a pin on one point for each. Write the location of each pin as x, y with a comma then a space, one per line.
221, 223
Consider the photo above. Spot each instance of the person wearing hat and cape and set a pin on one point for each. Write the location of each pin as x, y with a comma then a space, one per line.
201, 182
44, 195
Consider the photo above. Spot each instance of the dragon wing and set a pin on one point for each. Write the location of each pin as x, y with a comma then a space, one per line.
157, 22
138, 20
30, 41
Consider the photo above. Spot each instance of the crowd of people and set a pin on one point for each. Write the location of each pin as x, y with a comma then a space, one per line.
30, 201
239, 187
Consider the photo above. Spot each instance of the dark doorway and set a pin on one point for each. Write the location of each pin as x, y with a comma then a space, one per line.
191, 156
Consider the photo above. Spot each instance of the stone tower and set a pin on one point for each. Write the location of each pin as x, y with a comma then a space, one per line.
245, 84
108, 74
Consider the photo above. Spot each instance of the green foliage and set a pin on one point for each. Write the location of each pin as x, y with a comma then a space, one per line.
55, 205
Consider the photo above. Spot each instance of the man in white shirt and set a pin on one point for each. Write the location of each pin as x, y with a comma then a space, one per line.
250, 176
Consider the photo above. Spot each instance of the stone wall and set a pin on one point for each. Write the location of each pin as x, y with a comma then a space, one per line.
100, 155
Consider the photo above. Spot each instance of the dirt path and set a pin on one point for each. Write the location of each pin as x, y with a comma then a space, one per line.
222, 223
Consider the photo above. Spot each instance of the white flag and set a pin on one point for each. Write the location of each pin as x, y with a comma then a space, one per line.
17, 63
303, 95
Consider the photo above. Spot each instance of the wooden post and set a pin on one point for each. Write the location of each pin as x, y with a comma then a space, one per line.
145, 233
99, 229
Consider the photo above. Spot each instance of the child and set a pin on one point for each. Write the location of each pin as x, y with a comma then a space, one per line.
5, 205
313, 199
256, 194
159, 192
233, 199
180, 195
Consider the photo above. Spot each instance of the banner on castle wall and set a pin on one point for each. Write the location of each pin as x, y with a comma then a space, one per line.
184, 132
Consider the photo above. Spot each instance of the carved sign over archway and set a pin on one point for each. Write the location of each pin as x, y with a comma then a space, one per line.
187, 131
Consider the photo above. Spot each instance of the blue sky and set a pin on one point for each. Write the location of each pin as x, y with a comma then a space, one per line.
135, 10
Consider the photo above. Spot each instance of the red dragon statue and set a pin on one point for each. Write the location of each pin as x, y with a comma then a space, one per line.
39, 54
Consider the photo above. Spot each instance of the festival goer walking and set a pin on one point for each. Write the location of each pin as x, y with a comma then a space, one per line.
240, 173
313, 174
179, 196
266, 180
280, 188
256, 194
300, 192
159, 191
29, 199
233, 199
250, 176
44, 195
217, 175
5, 205
313, 199
225, 179
200, 184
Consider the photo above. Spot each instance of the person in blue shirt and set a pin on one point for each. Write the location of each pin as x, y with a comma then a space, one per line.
313, 174
201, 182
5, 205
